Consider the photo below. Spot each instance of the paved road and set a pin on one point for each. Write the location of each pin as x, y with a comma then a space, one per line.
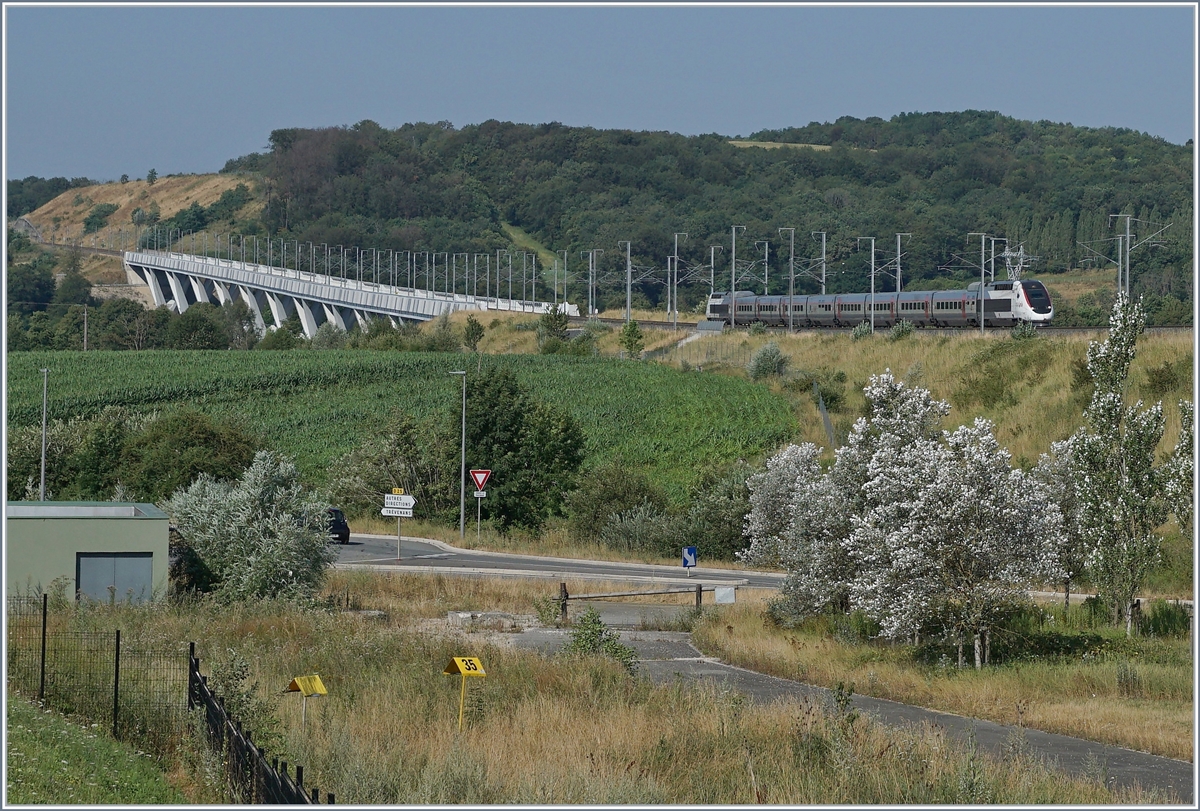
667, 655
422, 554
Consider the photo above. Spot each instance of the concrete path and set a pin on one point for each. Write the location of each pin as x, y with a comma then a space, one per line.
667, 655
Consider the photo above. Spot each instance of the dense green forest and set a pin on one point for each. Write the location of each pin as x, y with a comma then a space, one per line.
441, 191
937, 176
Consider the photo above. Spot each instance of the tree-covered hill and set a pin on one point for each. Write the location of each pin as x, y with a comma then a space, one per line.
938, 176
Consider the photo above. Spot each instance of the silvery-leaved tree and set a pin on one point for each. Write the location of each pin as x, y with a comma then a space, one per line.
1055, 473
1122, 494
1179, 488
920, 528
263, 535
810, 535
954, 537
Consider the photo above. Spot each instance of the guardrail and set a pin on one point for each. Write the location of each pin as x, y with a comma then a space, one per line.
564, 595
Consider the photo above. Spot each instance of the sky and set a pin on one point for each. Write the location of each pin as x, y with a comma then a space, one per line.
101, 91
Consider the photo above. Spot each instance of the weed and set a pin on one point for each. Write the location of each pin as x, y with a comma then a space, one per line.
900, 330
861, 330
591, 637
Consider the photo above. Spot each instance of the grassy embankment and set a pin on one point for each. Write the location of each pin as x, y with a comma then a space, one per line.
54, 761
61, 219
558, 730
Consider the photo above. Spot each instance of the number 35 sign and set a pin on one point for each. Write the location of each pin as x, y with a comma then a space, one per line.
466, 666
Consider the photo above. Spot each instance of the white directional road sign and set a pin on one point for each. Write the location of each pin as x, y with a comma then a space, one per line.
403, 502
396, 512
689, 556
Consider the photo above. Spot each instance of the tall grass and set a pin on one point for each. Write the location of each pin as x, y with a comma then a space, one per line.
552, 730
1136, 694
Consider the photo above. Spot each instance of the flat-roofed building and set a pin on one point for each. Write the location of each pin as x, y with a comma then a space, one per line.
107, 550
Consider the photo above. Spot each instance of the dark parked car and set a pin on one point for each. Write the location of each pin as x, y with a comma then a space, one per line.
339, 530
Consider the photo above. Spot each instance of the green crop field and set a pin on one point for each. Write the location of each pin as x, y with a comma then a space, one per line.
316, 406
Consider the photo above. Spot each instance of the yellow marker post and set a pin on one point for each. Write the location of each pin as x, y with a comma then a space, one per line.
465, 666
306, 686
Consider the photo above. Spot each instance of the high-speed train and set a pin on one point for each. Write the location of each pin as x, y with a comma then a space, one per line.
1005, 304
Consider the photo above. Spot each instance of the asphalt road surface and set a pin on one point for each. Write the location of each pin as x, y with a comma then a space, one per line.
665, 656
422, 554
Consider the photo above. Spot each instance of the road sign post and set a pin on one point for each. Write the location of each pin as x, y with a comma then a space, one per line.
689, 559
480, 478
400, 505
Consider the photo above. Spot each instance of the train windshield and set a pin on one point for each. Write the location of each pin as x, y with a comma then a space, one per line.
1038, 298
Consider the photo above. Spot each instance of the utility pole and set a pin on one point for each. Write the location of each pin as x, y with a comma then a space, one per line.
733, 277
898, 259
675, 284
860, 239
712, 267
814, 234
791, 272
766, 246
628, 280
982, 270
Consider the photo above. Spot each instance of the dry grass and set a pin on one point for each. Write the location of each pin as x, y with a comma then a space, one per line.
1078, 698
780, 145
557, 730
1035, 409
61, 219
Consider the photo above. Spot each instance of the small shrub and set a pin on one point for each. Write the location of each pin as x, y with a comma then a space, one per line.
1165, 620
1024, 331
860, 331
97, 218
758, 328
1129, 681
901, 329
591, 637
768, 361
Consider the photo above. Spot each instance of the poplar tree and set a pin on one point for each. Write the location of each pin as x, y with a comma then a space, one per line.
1120, 491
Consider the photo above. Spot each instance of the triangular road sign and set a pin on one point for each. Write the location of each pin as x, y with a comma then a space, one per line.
480, 477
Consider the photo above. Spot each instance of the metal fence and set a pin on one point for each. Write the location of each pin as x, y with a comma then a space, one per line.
144, 694
137, 690
250, 776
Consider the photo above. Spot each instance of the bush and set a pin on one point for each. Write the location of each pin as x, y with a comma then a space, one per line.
644, 528
766, 362
97, 218
604, 490
1024, 331
901, 329
1165, 619
758, 328
862, 330
591, 637
262, 536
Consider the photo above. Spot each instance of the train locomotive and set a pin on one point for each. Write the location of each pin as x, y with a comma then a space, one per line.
1005, 304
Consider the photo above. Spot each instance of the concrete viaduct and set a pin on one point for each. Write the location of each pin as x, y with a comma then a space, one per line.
179, 280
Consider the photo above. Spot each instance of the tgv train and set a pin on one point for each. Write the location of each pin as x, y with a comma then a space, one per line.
1005, 304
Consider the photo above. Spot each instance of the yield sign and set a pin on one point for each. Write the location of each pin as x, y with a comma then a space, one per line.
480, 477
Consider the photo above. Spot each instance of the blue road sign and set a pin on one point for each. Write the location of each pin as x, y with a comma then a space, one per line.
689, 557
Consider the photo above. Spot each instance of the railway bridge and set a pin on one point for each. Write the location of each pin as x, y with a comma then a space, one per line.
179, 280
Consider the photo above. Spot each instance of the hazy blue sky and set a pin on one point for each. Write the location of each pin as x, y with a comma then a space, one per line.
101, 91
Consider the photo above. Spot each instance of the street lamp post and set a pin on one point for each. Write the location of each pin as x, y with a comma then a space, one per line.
42, 489
462, 473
